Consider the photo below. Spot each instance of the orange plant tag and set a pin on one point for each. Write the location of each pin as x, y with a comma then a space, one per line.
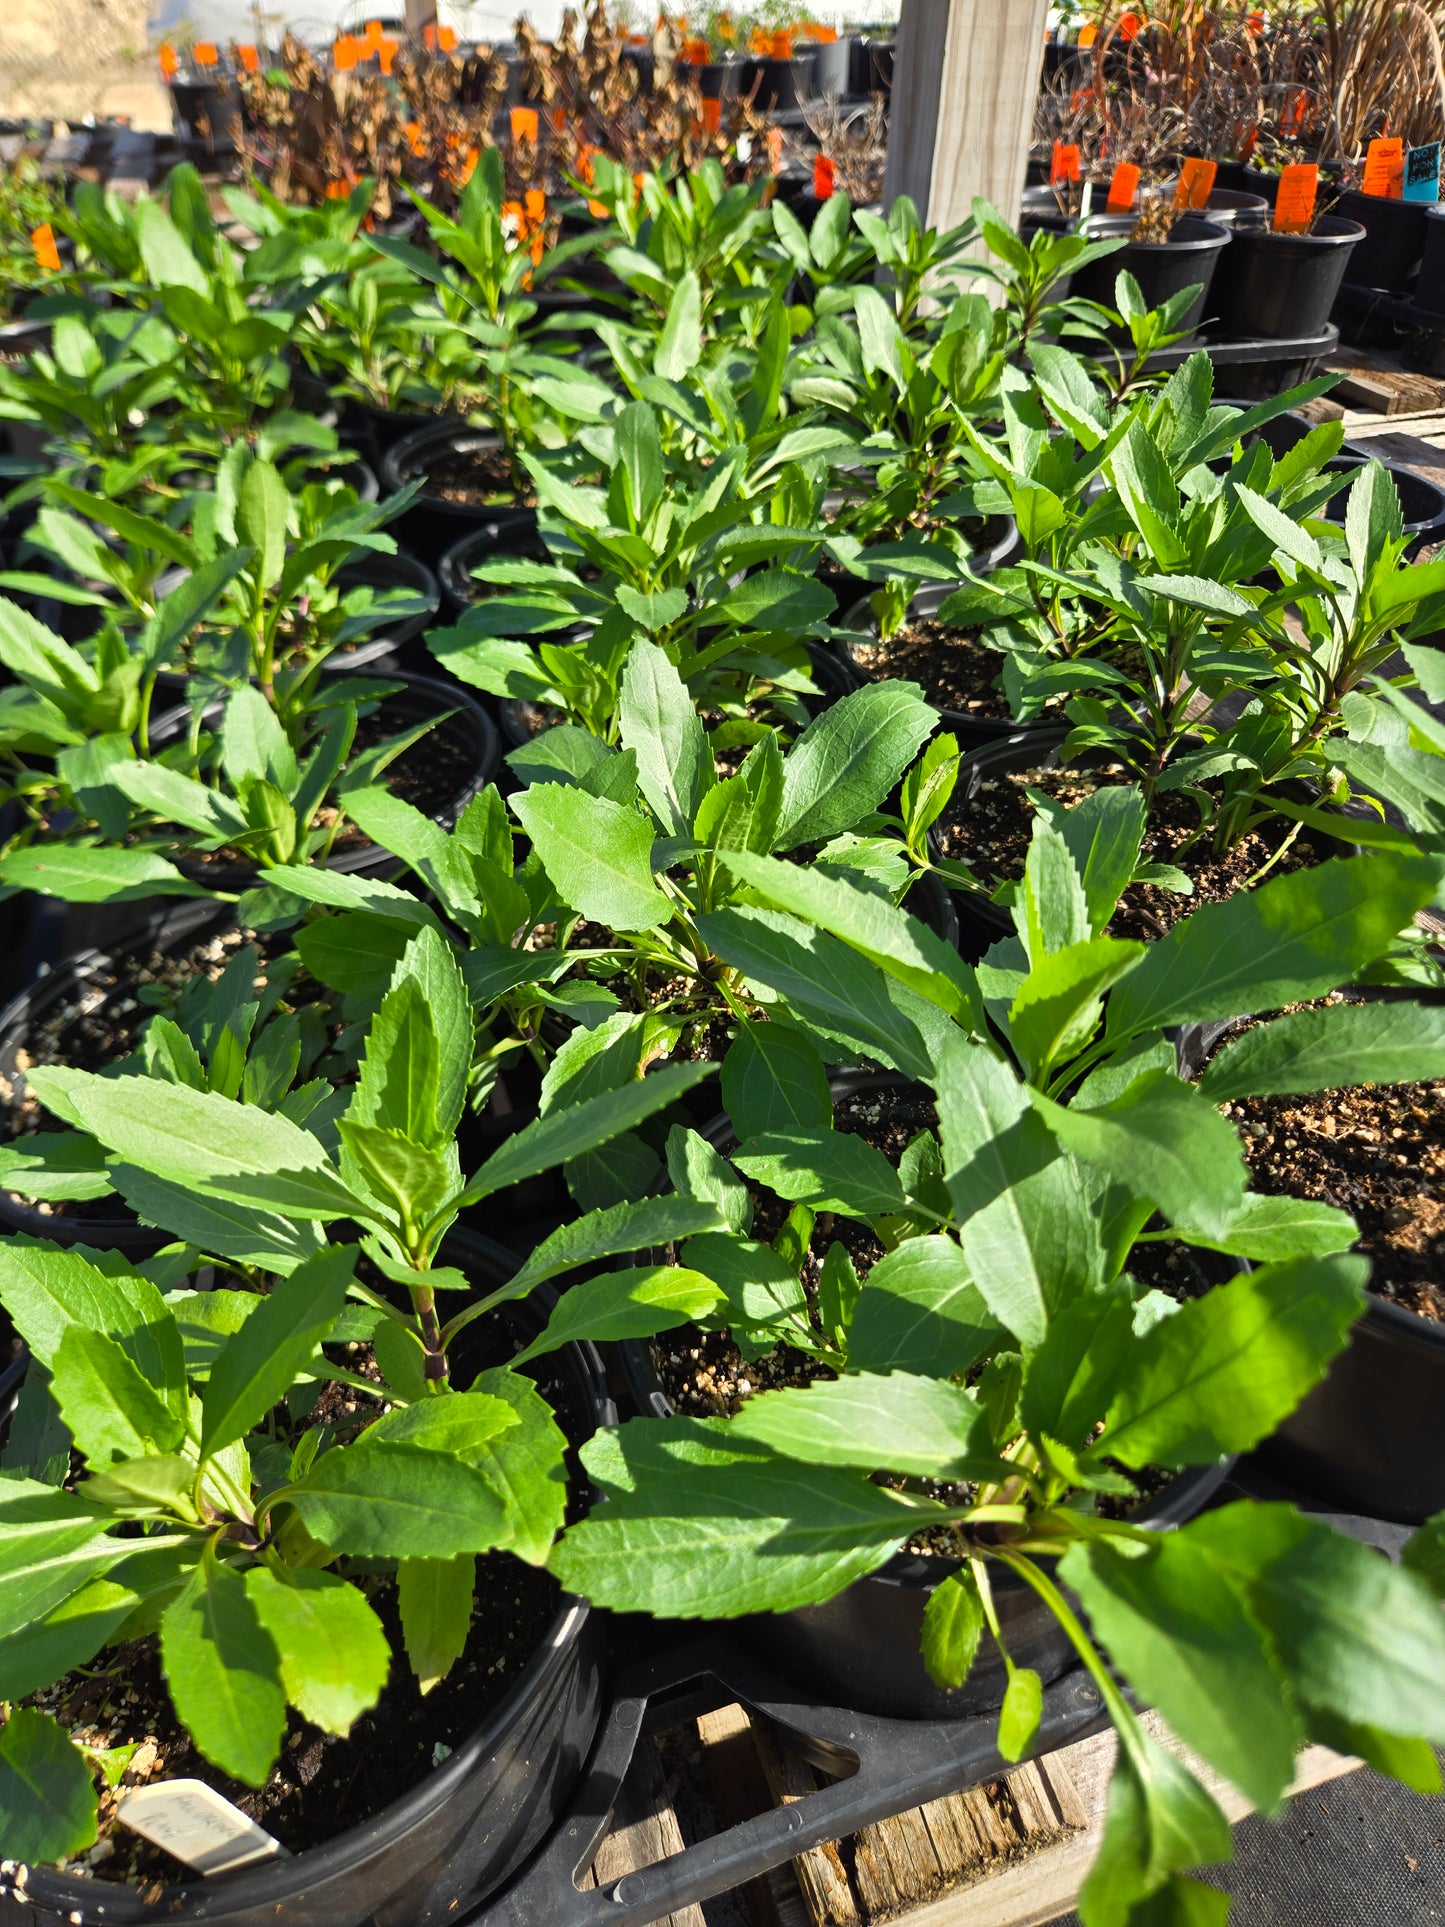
1254, 22
42, 239
204, 53
1122, 188
170, 61
1196, 182
781, 47
1384, 169
825, 174
1129, 25
343, 53
775, 149
711, 116
387, 50
823, 35
1294, 205
429, 36
524, 124
447, 39
1065, 165
250, 58
373, 33
694, 52
1088, 33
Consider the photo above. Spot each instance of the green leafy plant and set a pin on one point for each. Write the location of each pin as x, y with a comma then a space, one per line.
205, 1511
1014, 1373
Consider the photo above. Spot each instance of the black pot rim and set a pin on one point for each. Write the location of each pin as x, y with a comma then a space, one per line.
1330, 231
102, 1233
445, 695
860, 616
280, 1881
406, 461
1214, 237
453, 570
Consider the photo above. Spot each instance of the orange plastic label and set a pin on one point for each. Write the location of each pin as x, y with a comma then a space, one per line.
1196, 182
524, 124
343, 53
824, 176
373, 33
1122, 188
775, 149
781, 46
1384, 169
413, 132
387, 51
170, 61
1088, 33
42, 239
1255, 24
711, 116
429, 37
204, 53
823, 35
250, 58
447, 39
1066, 164
1294, 206
1129, 26
694, 52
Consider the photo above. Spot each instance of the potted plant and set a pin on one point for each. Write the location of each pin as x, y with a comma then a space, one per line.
274, 1526
970, 1365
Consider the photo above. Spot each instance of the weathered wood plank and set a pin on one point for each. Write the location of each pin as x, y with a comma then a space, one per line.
644, 1830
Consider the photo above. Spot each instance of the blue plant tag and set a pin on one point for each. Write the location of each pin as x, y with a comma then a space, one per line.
1422, 173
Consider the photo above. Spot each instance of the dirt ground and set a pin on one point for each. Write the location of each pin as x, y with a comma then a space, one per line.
66, 59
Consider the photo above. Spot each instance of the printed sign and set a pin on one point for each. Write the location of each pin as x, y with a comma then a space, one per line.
1422, 173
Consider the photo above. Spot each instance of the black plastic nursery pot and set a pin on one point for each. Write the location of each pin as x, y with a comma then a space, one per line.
1422, 502
870, 64
1368, 1438
1188, 258
465, 727
206, 112
1430, 282
860, 1649
717, 79
1235, 207
84, 982
1283, 284
434, 523
832, 60
392, 644
1394, 240
491, 542
777, 85
971, 729
460, 1834
374, 430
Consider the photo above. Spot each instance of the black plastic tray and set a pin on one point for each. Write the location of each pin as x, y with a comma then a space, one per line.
665, 1674
1243, 350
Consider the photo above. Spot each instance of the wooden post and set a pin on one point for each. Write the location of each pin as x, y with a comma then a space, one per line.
420, 14
965, 80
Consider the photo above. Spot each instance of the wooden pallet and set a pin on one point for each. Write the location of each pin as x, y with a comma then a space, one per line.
1011, 1853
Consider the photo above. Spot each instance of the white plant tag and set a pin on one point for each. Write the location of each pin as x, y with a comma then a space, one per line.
196, 1824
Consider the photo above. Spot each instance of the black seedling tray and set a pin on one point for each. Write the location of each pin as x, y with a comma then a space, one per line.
1289, 359
1371, 318
663, 1675
890, 1765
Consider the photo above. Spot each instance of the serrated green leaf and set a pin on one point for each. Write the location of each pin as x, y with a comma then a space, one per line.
223, 1672
334, 1652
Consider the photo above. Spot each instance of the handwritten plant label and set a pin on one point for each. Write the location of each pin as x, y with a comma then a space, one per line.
1384, 169
1066, 164
1196, 182
1294, 206
1122, 188
196, 1824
